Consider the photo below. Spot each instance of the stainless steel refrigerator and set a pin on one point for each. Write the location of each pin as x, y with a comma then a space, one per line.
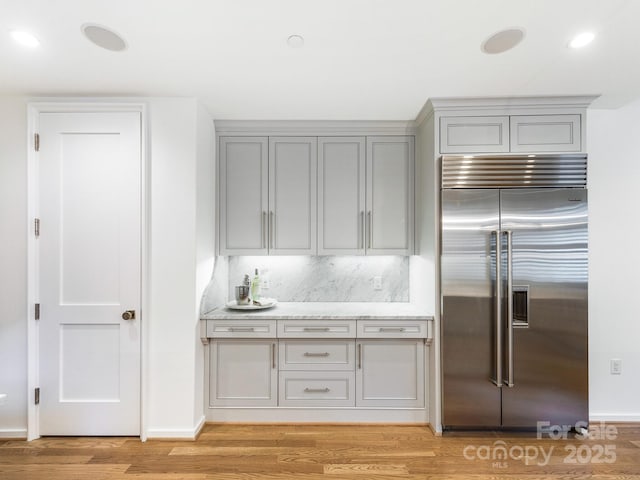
513, 283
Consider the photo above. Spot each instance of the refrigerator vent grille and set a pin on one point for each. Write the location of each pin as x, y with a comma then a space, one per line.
514, 171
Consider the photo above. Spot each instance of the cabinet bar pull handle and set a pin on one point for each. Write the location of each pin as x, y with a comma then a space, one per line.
273, 355
361, 229
391, 329
271, 234
369, 232
316, 390
359, 356
316, 329
312, 354
263, 243
242, 329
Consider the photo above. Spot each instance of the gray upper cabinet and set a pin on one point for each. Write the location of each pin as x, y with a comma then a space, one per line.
546, 133
278, 198
341, 195
488, 134
268, 195
365, 197
390, 184
511, 134
243, 195
292, 195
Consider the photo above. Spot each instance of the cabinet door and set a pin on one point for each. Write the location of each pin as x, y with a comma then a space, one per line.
545, 133
390, 373
292, 195
390, 176
243, 373
474, 134
243, 195
341, 195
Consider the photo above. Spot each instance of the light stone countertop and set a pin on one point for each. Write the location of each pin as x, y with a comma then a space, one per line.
325, 311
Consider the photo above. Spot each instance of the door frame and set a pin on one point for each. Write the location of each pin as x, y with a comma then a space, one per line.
80, 105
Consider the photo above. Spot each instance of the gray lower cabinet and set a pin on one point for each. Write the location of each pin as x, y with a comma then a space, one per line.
243, 372
316, 389
317, 363
317, 373
390, 373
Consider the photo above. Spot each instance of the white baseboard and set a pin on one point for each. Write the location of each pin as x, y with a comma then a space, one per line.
307, 415
179, 433
13, 433
614, 417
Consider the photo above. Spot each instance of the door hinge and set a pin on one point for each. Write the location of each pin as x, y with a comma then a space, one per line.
36, 227
37, 396
37, 311
36, 141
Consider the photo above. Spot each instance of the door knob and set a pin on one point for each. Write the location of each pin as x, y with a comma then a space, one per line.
129, 315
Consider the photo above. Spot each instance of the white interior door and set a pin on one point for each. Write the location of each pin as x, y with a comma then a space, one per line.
89, 273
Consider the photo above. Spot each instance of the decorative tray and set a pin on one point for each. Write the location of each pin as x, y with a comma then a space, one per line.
265, 303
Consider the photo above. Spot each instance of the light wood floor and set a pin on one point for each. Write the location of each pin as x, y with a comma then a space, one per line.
241, 452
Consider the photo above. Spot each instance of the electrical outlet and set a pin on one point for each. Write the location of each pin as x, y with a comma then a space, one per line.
265, 284
377, 283
3, 398
616, 366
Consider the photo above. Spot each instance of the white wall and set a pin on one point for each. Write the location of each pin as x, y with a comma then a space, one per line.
614, 262
181, 263
13, 266
205, 241
424, 274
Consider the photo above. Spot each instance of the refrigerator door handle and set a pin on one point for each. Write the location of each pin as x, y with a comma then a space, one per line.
509, 381
498, 308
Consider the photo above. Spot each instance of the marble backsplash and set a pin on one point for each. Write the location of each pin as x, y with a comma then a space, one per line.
217, 292
326, 278
312, 279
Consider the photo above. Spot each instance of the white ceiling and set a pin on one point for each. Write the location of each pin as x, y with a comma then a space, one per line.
362, 59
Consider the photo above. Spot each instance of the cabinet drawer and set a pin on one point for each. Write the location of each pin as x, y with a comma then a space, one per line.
316, 328
392, 329
545, 133
334, 355
474, 134
241, 328
317, 389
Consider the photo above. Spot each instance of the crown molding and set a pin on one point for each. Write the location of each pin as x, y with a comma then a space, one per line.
483, 103
313, 127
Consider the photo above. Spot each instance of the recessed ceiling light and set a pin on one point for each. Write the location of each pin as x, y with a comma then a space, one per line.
103, 37
502, 41
25, 39
582, 39
295, 41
